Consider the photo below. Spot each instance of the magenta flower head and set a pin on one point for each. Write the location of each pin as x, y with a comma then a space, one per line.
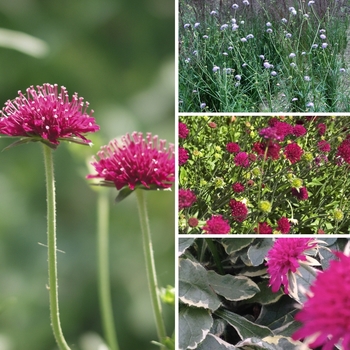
325, 316
135, 162
284, 259
216, 225
47, 115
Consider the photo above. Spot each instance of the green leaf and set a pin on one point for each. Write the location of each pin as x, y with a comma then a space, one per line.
122, 194
266, 296
232, 287
234, 245
184, 243
194, 325
245, 328
258, 250
212, 342
194, 288
269, 343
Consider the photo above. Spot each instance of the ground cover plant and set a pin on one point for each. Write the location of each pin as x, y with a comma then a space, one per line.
253, 293
264, 174
264, 56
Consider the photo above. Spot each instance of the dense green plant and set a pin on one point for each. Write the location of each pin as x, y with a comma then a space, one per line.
265, 187
263, 57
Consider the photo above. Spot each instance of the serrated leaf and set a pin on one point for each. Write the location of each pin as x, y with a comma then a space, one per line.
258, 250
184, 243
233, 288
194, 325
194, 288
234, 245
266, 296
244, 328
212, 342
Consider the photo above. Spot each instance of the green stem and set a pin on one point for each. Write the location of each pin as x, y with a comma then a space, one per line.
103, 270
51, 245
150, 266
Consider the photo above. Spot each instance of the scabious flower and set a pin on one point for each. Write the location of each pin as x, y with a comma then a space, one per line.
273, 149
238, 187
183, 130
233, 147
283, 225
183, 156
263, 228
321, 128
242, 159
300, 193
293, 152
216, 225
136, 162
193, 222
284, 258
186, 198
343, 151
239, 210
325, 316
46, 114
324, 146
299, 130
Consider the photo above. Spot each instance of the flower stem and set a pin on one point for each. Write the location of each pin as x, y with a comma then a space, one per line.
51, 245
150, 266
103, 270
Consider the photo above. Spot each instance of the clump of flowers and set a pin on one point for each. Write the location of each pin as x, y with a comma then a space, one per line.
135, 161
48, 115
284, 258
293, 152
239, 210
242, 159
186, 198
183, 156
216, 225
325, 316
183, 130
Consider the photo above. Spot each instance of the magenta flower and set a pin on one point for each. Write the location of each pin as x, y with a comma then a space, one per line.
326, 314
239, 210
321, 128
284, 258
293, 152
343, 151
238, 187
273, 149
216, 225
263, 228
183, 130
283, 225
136, 162
300, 193
233, 147
299, 130
183, 156
193, 222
47, 115
323, 146
242, 159
186, 198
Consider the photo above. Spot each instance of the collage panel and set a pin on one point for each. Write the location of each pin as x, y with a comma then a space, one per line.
267, 174
263, 293
264, 56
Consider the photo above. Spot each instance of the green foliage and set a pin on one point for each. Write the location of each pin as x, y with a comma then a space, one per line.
210, 173
307, 73
237, 309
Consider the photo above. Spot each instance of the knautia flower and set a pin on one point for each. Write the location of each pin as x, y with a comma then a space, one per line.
242, 159
324, 146
233, 147
183, 130
283, 225
263, 228
46, 114
325, 316
193, 222
300, 193
183, 156
239, 210
343, 151
284, 259
238, 187
186, 198
136, 162
216, 225
293, 152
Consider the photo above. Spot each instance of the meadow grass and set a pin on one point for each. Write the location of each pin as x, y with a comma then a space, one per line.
264, 57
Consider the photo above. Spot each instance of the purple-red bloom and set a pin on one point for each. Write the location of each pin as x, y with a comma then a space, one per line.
273, 149
284, 258
326, 313
47, 115
344, 151
263, 228
183, 130
293, 152
283, 225
323, 146
233, 147
300, 193
239, 210
135, 161
193, 222
216, 225
186, 198
321, 128
238, 187
299, 130
242, 159
183, 156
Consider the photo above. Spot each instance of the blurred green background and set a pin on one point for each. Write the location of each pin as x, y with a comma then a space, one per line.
119, 56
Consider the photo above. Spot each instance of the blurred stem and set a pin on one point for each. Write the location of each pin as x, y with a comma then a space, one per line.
150, 266
104, 287
216, 257
51, 247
